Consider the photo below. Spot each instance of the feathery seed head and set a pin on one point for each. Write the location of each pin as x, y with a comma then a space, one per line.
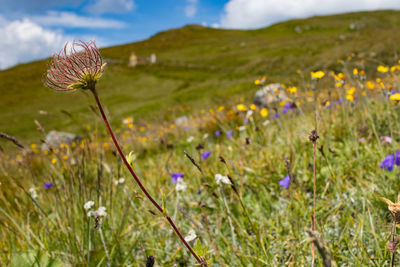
78, 68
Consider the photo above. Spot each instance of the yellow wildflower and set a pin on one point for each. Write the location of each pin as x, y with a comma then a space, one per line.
264, 112
253, 107
241, 107
355, 71
351, 91
221, 108
350, 98
370, 85
394, 68
54, 161
292, 89
339, 76
318, 74
382, 69
395, 97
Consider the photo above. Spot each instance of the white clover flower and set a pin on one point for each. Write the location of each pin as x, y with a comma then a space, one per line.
190, 139
88, 205
205, 136
221, 179
191, 236
242, 128
180, 185
32, 192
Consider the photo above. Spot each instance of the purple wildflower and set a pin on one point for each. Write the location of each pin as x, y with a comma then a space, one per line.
217, 133
48, 185
186, 128
276, 116
397, 160
246, 121
205, 155
176, 176
229, 134
387, 163
285, 182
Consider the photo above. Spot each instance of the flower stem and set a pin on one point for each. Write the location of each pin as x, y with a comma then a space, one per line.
105, 247
314, 200
393, 241
158, 207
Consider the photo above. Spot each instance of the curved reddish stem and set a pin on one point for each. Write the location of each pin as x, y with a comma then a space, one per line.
161, 210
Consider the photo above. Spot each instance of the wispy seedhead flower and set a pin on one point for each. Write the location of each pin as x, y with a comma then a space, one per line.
78, 67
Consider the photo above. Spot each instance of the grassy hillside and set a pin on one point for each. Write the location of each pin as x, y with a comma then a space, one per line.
197, 67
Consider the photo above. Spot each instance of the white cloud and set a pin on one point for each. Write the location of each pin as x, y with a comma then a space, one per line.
23, 40
72, 20
111, 6
260, 13
191, 8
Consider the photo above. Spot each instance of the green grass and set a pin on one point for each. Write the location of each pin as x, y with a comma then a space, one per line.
198, 67
270, 228
353, 220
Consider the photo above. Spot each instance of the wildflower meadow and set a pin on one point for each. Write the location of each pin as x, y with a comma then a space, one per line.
310, 179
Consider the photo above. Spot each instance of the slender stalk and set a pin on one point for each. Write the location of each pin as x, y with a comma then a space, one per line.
158, 207
229, 217
314, 200
313, 138
105, 247
394, 245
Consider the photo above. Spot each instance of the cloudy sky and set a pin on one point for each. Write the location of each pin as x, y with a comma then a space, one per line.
34, 29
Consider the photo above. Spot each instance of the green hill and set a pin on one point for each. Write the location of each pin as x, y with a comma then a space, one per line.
196, 67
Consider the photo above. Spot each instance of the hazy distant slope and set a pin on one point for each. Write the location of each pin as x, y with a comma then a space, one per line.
196, 66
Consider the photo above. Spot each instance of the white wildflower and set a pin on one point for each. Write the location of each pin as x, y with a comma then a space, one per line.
249, 113
190, 139
101, 212
205, 136
265, 123
221, 179
242, 128
191, 236
91, 213
119, 181
180, 185
32, 192
88, 205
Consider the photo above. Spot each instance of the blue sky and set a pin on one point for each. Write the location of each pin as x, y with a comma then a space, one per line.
34, 29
